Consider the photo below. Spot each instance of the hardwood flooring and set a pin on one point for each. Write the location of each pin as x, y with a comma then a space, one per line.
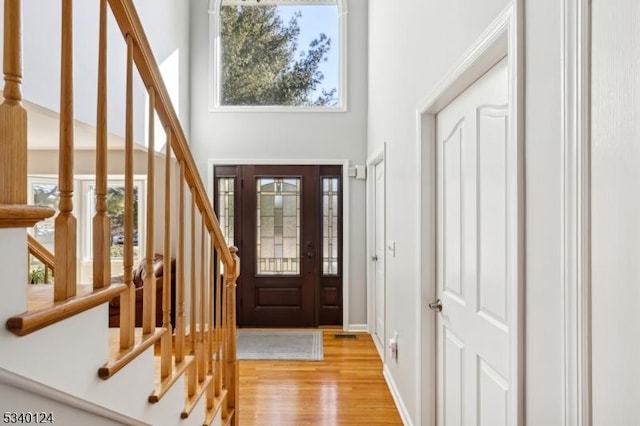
347, 388
40, 296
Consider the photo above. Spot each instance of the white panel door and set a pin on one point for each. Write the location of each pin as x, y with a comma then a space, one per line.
473, 254
615, 212
378, 259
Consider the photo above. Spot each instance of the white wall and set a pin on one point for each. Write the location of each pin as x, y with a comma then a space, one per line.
15, 400
413, 43
300, 135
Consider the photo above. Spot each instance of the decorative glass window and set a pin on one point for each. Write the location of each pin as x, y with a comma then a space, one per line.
278, 226
278, 54
226, 208
330, 213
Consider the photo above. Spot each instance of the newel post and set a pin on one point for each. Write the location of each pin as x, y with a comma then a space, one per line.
233, 373
15, 215
13, 117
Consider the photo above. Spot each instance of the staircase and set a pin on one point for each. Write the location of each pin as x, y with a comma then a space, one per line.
58, 357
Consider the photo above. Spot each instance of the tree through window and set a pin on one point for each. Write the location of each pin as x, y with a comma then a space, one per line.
279, 53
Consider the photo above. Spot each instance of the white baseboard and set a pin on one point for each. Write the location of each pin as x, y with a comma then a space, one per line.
357, 328
402, 409
379, 347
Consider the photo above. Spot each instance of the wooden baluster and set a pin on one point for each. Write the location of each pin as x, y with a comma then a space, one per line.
218, 326
13, 117
149, 286
232, 272
101, 220
165, 351
210, 306
192, 378
192, 276
224, 324
223, 340
211, 392
65, 223
180, 320
128, 297
201, 352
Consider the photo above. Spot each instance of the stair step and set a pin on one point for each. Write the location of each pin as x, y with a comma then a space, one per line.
201, 388
163, 386
44, 311
119, 358
215, 408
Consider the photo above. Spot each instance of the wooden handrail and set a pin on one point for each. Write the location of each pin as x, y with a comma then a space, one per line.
41, 253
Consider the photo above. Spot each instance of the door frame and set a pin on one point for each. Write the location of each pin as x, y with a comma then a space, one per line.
376, 158
576, 225
502, 38
213, 162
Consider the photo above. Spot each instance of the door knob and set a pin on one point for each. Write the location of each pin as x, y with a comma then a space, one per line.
436, 307
374, 258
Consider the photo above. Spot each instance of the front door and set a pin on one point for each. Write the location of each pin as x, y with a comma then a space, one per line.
473, 281
287, 225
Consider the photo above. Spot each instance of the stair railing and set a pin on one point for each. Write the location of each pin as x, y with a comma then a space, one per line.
204, 335
211, 337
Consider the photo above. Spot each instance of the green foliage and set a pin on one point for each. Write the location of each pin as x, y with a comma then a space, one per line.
37, 275
115, 207
117, 251
258, 63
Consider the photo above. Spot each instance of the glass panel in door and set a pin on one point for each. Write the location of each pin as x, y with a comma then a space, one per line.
278, 226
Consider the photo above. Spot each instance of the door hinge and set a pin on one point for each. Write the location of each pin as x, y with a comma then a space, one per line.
241, 183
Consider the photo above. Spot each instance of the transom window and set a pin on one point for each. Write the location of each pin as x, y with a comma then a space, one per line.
278, 54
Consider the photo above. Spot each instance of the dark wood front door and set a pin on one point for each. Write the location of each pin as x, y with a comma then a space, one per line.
287, 224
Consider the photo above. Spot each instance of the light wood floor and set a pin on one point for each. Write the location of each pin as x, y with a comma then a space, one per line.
346, 388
